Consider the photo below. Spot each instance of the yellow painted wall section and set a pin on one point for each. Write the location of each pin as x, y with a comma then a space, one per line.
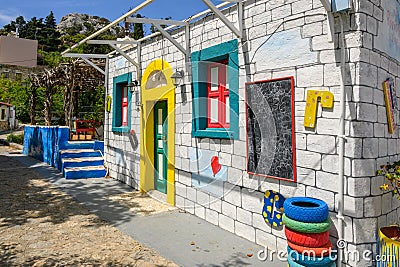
149, 99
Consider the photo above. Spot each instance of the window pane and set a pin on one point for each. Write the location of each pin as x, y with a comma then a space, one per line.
227, 110
125, 116
125, 95
214, 110
159, 122
160, 144
160, 166
214, 79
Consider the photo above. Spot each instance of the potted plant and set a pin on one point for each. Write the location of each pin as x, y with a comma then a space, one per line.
389, 237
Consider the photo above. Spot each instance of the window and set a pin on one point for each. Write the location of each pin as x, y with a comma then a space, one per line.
124, 105
6, 74
215, 91
3, 114
121, 103
218, 96
18, 76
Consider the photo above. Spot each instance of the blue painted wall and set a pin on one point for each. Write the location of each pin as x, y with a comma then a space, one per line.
44, 143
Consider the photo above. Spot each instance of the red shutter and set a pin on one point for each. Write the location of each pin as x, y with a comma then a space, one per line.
217, 93
124, 106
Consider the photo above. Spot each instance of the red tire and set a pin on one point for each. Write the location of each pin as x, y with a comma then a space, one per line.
307, 240
309, 251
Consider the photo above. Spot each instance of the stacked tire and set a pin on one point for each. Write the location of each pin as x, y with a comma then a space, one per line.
307, 231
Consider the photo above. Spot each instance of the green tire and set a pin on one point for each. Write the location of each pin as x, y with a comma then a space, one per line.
303, 227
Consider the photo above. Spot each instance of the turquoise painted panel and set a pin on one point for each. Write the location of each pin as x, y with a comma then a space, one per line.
227, 50
44, 143
118, 82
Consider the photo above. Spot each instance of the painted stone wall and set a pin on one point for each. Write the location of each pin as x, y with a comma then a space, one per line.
44, 143
283, 39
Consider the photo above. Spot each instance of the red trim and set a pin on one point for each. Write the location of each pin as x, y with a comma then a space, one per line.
293, 131
124, 106
220, 95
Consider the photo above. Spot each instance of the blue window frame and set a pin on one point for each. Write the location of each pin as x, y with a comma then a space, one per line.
201, 61
120, 96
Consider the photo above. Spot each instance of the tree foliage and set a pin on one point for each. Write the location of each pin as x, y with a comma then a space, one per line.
52, 94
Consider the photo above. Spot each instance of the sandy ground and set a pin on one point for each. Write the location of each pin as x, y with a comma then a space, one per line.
42, 226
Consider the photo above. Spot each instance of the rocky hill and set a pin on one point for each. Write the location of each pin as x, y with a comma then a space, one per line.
76, 23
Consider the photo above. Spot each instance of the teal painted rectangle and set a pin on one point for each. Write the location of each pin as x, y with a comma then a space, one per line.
229, 51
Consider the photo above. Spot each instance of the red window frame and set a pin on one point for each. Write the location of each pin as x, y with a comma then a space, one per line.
221, 94
124, 106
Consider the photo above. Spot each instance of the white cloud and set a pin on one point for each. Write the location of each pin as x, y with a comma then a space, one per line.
6, 17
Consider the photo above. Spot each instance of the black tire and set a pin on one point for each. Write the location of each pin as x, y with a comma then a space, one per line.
306, 209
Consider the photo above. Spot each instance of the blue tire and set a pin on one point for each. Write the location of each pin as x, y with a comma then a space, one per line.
292, 263
306, 209
310, 261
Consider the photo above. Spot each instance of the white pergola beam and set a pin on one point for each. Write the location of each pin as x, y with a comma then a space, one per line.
331, 20
93, 65
125, 55
156, 21
115, 22
223, 18
171, 39
114, 42
77, 55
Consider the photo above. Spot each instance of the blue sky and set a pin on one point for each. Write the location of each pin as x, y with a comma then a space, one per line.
111, 9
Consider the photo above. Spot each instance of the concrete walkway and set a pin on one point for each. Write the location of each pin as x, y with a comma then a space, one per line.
181, 237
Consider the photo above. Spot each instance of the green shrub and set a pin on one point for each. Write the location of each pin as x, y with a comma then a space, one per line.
16, 138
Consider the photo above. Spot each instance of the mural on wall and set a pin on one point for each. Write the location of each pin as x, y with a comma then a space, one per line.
391, 105
273, 208
310, 114
283, 49
270, 128
207, 173
388, 39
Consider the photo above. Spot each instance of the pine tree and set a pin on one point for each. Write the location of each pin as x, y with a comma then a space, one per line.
138, 31
51, 41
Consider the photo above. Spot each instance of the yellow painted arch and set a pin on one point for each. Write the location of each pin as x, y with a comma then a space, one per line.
149, 98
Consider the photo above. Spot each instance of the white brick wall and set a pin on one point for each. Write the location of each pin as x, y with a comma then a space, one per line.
368, 143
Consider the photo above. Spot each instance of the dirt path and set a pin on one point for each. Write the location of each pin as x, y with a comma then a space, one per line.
42, 226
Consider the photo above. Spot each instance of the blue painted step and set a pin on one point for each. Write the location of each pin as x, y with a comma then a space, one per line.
79, 153
82, 162
79, 145
85, 172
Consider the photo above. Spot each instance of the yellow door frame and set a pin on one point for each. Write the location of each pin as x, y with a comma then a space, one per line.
149, 98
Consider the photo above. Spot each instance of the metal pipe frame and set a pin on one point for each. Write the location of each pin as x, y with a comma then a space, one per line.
188, 20
156, 21
115, 22
223, 18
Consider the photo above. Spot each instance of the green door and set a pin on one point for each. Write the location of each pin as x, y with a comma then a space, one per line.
160, 146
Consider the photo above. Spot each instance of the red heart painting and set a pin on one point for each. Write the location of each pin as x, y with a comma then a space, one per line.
215, 166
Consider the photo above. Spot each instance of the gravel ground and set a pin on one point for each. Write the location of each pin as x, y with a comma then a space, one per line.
42, 226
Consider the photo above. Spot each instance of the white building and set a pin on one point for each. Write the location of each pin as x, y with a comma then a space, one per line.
235, 127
